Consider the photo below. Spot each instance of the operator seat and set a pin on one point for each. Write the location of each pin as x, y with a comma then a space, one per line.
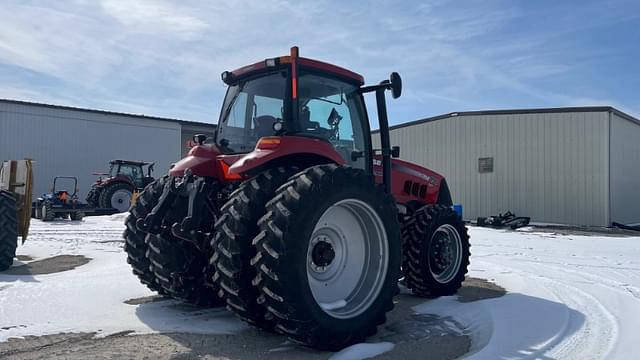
305, 120
264, 125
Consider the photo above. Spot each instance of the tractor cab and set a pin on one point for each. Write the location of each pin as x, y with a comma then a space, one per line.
133, 170
311, 100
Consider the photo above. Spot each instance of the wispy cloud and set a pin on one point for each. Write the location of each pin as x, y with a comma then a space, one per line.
155, 18
164, 58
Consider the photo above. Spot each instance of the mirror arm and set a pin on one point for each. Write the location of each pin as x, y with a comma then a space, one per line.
384, 85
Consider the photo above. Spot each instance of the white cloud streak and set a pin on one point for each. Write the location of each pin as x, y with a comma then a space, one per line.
164, 58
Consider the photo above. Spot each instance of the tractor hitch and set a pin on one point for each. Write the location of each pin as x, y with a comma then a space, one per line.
152, 223
199, 192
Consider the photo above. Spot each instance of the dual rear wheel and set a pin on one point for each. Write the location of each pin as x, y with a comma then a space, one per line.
328, 256
164, 263
314, 254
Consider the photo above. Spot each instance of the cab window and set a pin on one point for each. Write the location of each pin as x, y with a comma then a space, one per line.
332, 109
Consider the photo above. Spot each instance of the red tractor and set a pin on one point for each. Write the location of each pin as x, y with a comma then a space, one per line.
290, 218
123, 180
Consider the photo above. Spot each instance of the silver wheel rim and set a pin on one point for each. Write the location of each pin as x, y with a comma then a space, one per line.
445, 253
347, 258
43, 212
121, 200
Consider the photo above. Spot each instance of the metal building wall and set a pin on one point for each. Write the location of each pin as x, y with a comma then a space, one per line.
625, 170
79, 143
189, 130
549, 166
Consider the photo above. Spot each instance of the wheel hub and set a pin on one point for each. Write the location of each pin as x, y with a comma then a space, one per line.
121, 200
347, 258
445, 255
323, 253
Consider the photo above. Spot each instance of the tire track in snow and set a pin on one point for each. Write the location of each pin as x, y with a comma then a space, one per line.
576, 338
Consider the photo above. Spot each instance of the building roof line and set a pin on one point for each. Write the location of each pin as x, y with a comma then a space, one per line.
517, 111
105, 112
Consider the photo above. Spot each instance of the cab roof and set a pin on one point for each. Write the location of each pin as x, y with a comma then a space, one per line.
142, 163
302, 62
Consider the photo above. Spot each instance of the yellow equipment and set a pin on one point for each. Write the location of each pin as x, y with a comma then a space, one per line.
16, 188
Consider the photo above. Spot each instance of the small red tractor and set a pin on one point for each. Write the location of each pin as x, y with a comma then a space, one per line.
124, 179
290, 218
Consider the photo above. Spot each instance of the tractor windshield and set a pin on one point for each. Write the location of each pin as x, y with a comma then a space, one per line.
250, 109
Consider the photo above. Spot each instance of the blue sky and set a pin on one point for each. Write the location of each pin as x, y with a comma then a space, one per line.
164, 58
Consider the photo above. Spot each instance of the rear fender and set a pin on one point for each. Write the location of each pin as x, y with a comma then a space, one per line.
286, 150
201, 161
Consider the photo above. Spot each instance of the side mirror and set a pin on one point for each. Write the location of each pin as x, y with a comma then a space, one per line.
396, 85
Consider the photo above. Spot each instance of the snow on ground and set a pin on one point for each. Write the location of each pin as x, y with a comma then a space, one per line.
362, 351
91, 297
570, 296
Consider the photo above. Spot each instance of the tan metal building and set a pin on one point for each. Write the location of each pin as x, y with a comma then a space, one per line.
578, 166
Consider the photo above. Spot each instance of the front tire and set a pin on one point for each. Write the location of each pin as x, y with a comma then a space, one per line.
46, 211
328, 256
76, 216
8, 229
435, 251
93, 197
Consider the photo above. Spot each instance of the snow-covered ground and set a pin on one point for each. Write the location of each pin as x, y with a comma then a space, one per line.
569, 296
91, 297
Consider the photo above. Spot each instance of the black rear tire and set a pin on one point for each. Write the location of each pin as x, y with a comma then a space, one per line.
8, 229
283, 248
135, 245
181, 270
420, 264
234, 231
179, 266
109, 191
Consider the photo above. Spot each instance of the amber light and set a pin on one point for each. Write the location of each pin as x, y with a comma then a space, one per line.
225, 171
267, 143
294, 72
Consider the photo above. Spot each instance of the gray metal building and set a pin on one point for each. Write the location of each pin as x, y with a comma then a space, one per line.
67, 141
577, 166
